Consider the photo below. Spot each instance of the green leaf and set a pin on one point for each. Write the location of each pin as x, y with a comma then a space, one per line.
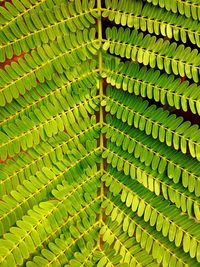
102, 262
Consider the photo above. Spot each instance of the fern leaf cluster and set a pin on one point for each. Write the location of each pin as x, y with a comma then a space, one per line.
42, 23
148, 50
188, 8
99, 133
153, 19
146, 82
154, 121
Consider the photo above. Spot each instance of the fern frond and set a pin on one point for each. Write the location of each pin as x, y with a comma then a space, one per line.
68, 250
77, 80
51, 208
41, 67
156, 183
154, 121
44, 155
153, 19
91, 173
43, 26
152, 153
146, 82
188, 8
17, 9
171, 58
160, 248
41, 222
131, 252
44, 125
35, 189
147, 206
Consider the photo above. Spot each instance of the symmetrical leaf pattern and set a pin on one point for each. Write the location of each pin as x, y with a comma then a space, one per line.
99, 133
